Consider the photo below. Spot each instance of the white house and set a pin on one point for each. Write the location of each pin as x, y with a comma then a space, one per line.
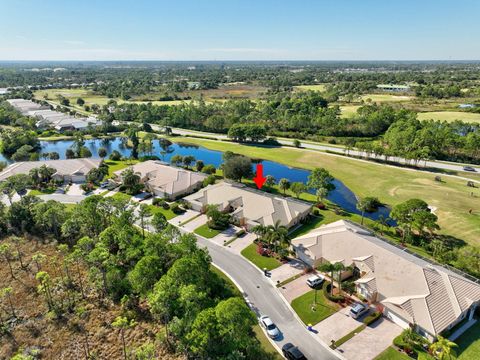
411, 291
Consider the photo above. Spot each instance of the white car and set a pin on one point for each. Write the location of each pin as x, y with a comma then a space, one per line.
315, 280
271, 328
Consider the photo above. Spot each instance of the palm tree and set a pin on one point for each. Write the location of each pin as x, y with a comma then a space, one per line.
328, 267
442, 348
277, 234
284, 185
363, 205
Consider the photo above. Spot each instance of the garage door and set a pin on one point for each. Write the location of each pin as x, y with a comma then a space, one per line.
395, 318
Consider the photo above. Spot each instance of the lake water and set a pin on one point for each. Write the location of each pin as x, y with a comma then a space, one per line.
342, 195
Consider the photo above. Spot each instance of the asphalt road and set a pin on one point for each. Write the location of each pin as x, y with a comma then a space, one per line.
265, 300
283, 141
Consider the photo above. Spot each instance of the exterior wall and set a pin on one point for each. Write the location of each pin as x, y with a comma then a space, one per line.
397, 319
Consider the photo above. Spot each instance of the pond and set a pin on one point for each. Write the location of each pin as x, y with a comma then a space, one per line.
342, 195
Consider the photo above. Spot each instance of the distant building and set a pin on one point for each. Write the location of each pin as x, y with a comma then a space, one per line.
410, 290
164, 180
393, 87
4, 91
48, 118
466, 106
68, 170
250, 207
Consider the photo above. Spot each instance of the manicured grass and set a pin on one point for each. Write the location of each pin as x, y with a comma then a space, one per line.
347, 111
392, 354
265, 343
169, 214
385, 98
390, 184
118, 165
270, 263
303, 307
259, 334
207, 232
350, 335
450, 116
36, 192
318, 87
469, 343
122, 196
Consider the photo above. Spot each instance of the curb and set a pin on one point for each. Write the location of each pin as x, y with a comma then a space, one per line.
317, 338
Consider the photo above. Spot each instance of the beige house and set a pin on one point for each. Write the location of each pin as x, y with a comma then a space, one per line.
164, 180
411, 291
69, 170
250, 207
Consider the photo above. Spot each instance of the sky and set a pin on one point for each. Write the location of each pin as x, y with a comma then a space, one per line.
239, 30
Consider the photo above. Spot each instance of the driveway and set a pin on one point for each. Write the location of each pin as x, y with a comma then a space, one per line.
371, 341
295, 288
195, 223
263, 298
75, 190
225, 235
63, 198
286, 271
187, 215
241, 243
337, 325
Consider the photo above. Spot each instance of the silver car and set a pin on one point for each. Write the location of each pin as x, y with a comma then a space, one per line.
358, 310
269, 326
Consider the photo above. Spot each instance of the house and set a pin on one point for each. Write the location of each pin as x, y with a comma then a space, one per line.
164, 180
410, 290
69, 170
393, 87
47, 118
250, 207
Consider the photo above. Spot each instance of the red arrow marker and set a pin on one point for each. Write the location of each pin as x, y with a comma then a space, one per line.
259, 179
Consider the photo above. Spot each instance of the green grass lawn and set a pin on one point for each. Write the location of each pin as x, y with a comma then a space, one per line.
317, 87
259, 334
392, 354
323, 309
250, 252
169, 214
347, 111
35, 192
469, 344
206, 232
122, 196
450, 116
385, 98
118, 165
391, 185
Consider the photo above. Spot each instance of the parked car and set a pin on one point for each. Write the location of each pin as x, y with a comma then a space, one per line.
60, 191
104, 184
315, 280
269, 326
469, 168
358, 310
291, 352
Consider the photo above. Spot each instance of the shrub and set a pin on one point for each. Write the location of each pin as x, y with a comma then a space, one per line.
209, 169
115, 155
166, 206
157, 201
176, 208
326, 292
297, 143
209, 180
372, 318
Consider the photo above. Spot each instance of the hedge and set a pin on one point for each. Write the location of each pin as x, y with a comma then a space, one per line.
372, 318
326, 292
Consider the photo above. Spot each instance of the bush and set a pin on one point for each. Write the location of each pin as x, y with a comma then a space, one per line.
176, 208
209, 180
115, 155
209, 169
271, 141
372, 318
157, 201
166, 206
326, 292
